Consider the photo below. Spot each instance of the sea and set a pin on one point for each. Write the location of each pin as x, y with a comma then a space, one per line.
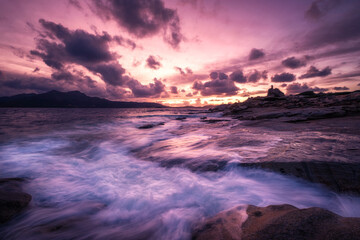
98, 174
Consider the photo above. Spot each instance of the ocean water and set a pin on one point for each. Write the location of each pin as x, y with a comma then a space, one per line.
94, 174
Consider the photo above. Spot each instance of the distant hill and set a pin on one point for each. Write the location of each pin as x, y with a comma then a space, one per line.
73, 99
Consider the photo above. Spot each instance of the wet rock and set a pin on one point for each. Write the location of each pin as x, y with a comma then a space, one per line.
225, 225
340, 177
215, 120
151, 125
180, 118
12, 199
278, 222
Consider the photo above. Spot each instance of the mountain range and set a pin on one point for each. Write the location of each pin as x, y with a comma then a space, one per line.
73, 99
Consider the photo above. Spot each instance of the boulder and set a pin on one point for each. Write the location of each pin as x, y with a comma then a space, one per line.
12, 199
278, 222
150, 125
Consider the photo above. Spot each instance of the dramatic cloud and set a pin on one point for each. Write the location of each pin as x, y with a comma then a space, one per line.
256, 54
216, 86
338, 30
111, 73
295, 88
151, 90
214, 75
78, 46
143, 18
283, 77
238, 76
341, 88
293, 62
222, 76
151, 62
255, 76
174, 90
314, 72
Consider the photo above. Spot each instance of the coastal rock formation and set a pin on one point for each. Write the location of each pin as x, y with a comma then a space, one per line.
278, 222
12, 199
294, 108
151, 125
275, 92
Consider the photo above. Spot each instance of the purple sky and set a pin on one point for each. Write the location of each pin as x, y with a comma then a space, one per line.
179, 52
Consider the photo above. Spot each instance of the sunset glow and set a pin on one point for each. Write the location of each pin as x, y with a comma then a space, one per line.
179, 52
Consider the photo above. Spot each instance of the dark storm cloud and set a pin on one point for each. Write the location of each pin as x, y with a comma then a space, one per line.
151, 90
62, 75
314, 72
174, 90
238, 76
111, 73
283, 77
222, 76
143, 18
255, 76
214, 75
216, 86
338, 30
151, 62
344, 88
292, 62
80, 45
256, 54
295, 88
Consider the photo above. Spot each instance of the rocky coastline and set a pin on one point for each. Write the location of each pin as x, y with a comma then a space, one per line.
294, 108
282, 113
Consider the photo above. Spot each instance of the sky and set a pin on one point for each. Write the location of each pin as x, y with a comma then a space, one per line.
179, 52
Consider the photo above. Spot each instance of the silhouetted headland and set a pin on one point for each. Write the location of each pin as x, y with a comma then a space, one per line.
73, 99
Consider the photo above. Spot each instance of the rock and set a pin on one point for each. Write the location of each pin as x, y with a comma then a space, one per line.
294, 108
278, 222
225, 225
215, 120
180, 118
307, 93
275, 92
151, 125
12, 199
339, 177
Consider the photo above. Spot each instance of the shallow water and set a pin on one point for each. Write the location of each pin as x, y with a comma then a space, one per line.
94, 175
